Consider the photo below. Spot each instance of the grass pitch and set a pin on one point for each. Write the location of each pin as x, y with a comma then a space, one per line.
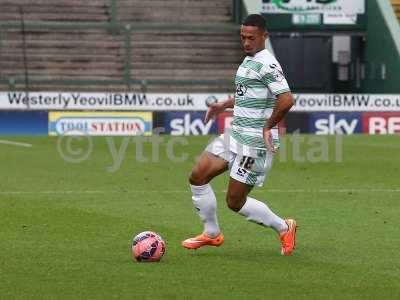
66, 227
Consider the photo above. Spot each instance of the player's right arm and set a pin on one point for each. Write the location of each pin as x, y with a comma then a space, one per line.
218, 107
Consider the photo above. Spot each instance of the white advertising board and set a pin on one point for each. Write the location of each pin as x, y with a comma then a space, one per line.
184, 102
313, 6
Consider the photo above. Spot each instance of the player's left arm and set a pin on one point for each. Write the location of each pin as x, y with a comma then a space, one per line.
282, 106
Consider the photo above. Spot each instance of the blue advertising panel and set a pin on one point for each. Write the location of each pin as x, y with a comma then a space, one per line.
188, 123
336, 123
23, 123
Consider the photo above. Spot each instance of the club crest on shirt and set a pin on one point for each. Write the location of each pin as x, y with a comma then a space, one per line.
278, 75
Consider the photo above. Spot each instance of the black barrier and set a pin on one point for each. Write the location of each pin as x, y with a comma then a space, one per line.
297, 122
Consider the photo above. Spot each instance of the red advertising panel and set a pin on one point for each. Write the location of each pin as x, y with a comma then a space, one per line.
381, 122
224, 121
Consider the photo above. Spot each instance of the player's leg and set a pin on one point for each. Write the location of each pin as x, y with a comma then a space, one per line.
255, 211
204, 200
245, 173
207, 167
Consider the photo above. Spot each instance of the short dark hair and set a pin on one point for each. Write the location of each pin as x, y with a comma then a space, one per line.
255, 20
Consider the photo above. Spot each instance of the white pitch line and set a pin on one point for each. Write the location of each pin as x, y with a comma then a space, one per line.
26, 145
394, 190
184, 192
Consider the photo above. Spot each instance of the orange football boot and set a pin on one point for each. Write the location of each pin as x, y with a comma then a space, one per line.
288, 239
203, 240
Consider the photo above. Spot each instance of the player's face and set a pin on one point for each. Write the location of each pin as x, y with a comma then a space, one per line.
253, 39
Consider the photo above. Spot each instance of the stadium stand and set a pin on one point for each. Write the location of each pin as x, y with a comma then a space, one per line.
185, 55
74, 45
59, 11
396, 7
188, 11
76, 54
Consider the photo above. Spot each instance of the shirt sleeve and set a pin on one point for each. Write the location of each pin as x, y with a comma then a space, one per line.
274, 78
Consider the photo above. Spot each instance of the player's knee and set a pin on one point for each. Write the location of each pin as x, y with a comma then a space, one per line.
196, 178
235, 202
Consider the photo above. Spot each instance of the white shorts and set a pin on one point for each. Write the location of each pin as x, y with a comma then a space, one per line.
246, 164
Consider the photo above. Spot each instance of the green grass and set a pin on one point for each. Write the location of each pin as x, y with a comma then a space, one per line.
66, 228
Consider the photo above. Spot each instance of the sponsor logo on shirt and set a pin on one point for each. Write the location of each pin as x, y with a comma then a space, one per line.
241, 89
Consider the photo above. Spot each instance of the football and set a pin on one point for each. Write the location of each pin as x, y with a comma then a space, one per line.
147, 246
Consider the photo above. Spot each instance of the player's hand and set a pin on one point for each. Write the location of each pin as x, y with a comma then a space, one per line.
268, 140
213, 110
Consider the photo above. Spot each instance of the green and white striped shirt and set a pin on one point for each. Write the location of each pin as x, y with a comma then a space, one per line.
259, 79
